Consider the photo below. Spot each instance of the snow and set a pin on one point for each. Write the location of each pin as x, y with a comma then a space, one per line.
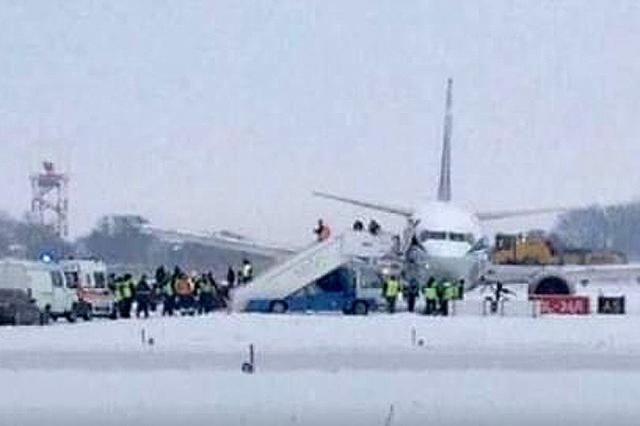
324, 369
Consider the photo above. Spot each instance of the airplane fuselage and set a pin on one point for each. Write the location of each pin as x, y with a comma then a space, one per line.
447, 233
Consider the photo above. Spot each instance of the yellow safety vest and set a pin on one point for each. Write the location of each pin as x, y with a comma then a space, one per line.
184, 287
430, 293
449, 291
125, 290
393, 288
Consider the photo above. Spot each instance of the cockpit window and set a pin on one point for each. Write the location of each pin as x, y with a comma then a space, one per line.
441, 235
455, 236
432, 235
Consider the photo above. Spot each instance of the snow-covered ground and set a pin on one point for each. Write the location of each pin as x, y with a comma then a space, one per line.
324, 369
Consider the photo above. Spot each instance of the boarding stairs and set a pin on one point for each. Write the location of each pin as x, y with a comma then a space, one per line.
313, 263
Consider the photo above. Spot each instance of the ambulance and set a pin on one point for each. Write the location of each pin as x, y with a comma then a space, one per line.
89, 278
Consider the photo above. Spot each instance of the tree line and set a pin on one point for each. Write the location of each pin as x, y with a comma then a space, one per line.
120, 240
615, 227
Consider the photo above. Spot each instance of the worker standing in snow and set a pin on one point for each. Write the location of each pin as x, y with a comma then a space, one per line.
453, 290
450, 294
461, 289
231, 277
168, 296
117, 297
126, 296
246, 273
143, 297
430, 296
390, 290
205, 296
441, 289
411, 293
184, 290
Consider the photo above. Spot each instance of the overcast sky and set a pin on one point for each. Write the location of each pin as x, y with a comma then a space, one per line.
226, 114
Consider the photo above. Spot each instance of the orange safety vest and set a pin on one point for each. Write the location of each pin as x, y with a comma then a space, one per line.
325, 233
184, 287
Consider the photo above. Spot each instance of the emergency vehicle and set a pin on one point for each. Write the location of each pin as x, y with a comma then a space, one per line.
42, 282
89, 278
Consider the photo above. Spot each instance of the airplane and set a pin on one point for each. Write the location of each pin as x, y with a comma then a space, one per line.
450, 239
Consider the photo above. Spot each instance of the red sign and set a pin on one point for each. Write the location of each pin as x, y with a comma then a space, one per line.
564, 305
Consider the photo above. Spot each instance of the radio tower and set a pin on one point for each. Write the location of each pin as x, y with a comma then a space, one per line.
50, 201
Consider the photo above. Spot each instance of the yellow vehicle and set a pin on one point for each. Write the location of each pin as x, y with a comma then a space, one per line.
523, 250
535, 249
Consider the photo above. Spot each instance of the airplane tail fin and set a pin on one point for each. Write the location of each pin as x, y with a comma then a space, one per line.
444, 187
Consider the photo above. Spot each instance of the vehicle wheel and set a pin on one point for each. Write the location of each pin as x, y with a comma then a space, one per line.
44, 318
278, 307
88, 314
360, 308
71, 316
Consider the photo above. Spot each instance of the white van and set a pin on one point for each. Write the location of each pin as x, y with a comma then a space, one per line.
89, 278
44, 282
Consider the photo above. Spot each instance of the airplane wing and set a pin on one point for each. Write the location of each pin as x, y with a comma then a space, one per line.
506, 214
222, 240
400, 211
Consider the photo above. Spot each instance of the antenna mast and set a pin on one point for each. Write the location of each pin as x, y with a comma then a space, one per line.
50, 200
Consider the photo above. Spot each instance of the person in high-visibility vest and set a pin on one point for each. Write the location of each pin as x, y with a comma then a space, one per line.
454, 291
441, 289
205, 294
391, 289
449, 293
246, 273
430, 296
117, 297
184, 289
123, 287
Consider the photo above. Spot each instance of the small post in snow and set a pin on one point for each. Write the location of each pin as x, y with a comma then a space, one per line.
413, 336
143, 336
389, 420
249, 366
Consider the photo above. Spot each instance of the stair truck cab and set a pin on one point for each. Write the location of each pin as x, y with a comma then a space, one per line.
89, 278
45, 285
354, 288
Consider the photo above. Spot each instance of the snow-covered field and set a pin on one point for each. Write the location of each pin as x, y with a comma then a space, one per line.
324, 369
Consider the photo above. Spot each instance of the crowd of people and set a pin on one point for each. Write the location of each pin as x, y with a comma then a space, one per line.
178, 292
436, 293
